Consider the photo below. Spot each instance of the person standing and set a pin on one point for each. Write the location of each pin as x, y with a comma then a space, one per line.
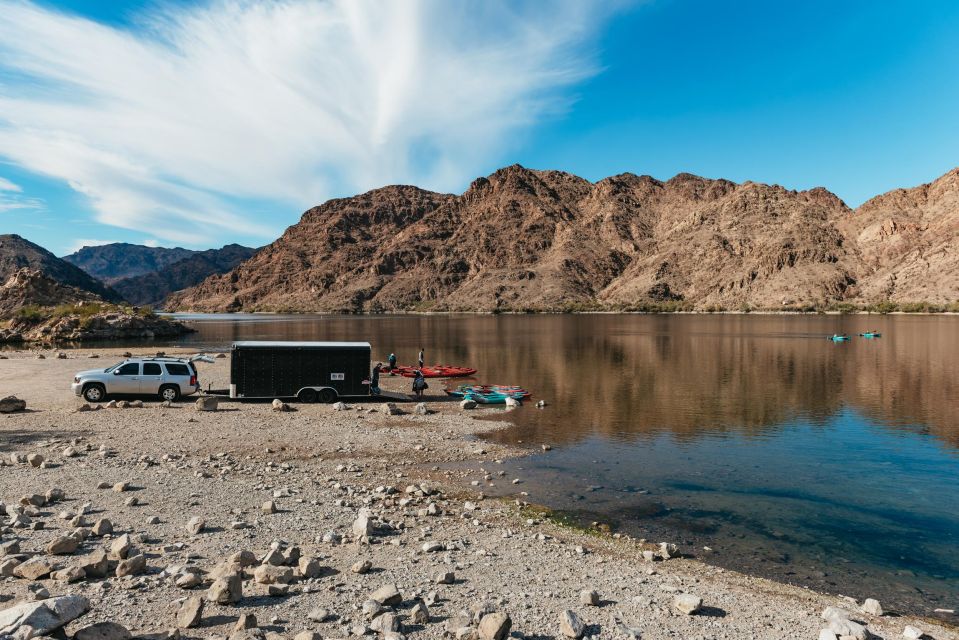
375, 379
392, 361
422, 358
419, 384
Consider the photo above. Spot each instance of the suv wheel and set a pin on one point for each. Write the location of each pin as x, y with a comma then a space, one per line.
170, 392
94, 393
327, 396
307, 396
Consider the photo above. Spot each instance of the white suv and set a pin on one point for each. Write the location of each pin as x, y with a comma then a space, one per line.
168, 378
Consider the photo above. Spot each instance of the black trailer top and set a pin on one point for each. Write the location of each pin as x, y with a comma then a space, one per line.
310, 371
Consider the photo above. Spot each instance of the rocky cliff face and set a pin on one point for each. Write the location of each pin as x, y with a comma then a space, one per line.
31, 288
908, 240
118, 260
541, 240
17, 253
153, 288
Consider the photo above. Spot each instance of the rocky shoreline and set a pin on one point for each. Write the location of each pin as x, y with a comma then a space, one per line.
160, 521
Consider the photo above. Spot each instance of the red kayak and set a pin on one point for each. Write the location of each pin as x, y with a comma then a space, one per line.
435, 371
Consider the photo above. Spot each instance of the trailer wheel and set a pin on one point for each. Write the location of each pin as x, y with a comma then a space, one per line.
307, 396
327, 396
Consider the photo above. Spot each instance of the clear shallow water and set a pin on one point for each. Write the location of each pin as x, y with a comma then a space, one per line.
829, 465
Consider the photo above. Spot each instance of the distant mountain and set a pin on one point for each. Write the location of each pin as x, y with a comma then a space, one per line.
17, 253
119, 260
28, 287
153, 288
521, 239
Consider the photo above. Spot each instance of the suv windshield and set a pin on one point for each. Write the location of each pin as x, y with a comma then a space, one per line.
109, 369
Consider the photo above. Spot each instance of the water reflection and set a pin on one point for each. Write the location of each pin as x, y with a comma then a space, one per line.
827, 464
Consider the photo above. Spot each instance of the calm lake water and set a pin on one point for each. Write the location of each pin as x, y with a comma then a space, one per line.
832, 465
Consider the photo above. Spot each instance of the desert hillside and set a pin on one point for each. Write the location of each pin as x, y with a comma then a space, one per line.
521, 239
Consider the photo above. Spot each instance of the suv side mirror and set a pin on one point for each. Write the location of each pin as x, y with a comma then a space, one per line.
116, 372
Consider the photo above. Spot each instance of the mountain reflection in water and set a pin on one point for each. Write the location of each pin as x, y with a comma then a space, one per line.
832, 465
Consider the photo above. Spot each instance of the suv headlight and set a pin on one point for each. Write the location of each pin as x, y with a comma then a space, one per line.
76, 378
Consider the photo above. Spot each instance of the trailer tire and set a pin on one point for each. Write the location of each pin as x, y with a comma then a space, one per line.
327, 396
307, 396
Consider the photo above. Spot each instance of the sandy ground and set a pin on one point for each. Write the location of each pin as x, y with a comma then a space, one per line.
321, 467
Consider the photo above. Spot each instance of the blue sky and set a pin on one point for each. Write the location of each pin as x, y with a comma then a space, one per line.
198, 124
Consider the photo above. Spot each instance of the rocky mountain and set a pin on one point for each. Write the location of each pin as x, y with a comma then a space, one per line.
521, 239
153, 288
908, 243
119, 260
17, 253
32, 288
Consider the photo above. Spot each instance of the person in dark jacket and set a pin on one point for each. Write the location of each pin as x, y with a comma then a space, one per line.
392, 361
375, 379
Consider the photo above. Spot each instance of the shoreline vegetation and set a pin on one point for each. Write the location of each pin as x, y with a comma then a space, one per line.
882, 308
83, 321
362, 499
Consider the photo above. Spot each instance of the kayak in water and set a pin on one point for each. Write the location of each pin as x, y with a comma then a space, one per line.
871, 334
838, 338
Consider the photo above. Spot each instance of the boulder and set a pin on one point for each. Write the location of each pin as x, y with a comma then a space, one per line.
309, 567
195, 525
570, 625
207, 403
35, 459
420, 409
62, 545
687, 603
589, 598
226, 590
132, 566
121, 547
268, 507
103, 631
363, 525
35, 568
388, 595
339, 406
95, 565
12, 404
390, 409
102, 527
361, 567
270, 574
494, 626
279, 405
467, 403
190, 613
31, 619
385, 622
912, 633
512, 402
844, 627
419, 614
872, 607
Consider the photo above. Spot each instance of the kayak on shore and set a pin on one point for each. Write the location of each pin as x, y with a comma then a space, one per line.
488, 393
434, 371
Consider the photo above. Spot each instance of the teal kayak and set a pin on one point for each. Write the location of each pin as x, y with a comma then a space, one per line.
871, 334
838, 338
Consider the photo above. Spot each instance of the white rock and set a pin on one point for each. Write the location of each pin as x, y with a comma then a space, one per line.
872, 607
687, 603
912, 633
41, 617
570, 625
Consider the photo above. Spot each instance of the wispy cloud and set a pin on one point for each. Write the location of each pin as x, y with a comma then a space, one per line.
168, 126
12, 198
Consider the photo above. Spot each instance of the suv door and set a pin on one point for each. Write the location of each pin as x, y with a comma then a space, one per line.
126, 379
151, 379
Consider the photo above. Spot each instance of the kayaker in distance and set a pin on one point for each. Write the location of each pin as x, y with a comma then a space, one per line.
375, 379
419, 384
422, 358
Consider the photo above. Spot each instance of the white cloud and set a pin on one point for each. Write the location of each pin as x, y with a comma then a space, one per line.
168, 126
11, 198
6, 185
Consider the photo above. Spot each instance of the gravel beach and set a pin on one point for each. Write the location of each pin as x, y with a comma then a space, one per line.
332, 523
